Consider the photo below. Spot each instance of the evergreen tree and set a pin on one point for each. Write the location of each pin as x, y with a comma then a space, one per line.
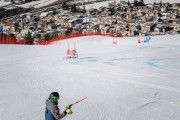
84, 8
11, 34
73, 8
29, 37
47, 36
39, 36
161, 3
129, 4
65, 6
135, 3
141, 3
154, 3
68, 31
12, 1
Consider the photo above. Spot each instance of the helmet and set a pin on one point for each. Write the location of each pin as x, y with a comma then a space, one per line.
54, 95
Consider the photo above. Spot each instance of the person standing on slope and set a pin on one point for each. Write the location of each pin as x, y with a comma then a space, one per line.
52, 111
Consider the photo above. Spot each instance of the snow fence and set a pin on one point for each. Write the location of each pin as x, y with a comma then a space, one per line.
24, 41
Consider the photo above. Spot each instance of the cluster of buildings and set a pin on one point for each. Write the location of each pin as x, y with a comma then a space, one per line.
19, 1
121, 19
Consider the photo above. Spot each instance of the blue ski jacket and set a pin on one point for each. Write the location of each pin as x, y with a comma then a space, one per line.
52, 111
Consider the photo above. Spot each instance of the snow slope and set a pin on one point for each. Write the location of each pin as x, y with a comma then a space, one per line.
2, 3
37, 4
127, 81
105, 3
152, 1
41, 3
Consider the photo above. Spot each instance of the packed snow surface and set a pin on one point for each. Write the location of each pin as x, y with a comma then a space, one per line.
106, 3
41, 3
37, 4
152, 1
127, 81
2, 3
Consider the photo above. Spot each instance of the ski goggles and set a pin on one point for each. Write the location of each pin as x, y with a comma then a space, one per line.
55, 98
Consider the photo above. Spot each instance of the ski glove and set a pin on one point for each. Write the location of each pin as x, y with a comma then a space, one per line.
68, 111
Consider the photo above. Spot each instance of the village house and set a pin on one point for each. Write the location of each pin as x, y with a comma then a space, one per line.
129, 17
164, 8
145, 28
9, 27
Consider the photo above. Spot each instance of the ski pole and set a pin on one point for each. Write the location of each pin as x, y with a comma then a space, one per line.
76, 102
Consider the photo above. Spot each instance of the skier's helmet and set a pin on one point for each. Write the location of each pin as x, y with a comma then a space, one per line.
54, 95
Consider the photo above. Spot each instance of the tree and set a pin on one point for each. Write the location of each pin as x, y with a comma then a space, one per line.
135, 3
47, 36
129, 4
65, 6
141, 3
11, 34
68, 31
29, 37
161, 3
39, 36
54, 35
74, 8
12, 1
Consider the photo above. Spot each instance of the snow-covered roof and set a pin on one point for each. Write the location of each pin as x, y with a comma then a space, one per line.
9, 7
74, 19
164, 17
96, 5
43, 14
151, 1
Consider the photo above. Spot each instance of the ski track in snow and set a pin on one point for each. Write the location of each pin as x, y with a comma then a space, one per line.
124, 82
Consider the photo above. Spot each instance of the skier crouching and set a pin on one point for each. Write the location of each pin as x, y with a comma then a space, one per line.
52, 111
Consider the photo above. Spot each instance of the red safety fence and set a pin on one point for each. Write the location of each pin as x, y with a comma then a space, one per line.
7, 40
14, 40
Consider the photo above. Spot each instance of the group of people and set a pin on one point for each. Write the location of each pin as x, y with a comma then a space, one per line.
52, 111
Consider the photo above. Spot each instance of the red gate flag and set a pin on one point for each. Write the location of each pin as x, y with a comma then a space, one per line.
139, 41
70, 52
